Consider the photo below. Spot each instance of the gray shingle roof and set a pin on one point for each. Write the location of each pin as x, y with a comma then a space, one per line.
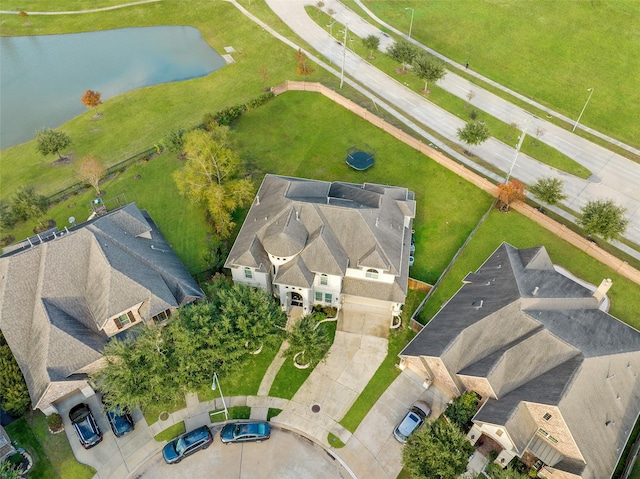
538, 336
56, 297
344, 225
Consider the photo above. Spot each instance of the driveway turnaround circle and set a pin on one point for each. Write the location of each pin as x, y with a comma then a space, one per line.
285, 456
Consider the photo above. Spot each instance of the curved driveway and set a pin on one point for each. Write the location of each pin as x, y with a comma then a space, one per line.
617, 177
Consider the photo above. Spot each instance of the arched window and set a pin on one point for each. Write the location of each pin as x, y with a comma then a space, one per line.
372, 273
324, 279
248, 273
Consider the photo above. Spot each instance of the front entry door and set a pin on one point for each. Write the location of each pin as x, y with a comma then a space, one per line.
296, 299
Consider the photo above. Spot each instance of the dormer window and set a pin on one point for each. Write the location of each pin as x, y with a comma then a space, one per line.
124, 319
324, 279
248, 273
372, 274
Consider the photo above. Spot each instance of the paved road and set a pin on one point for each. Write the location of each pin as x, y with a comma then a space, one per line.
285, 456
617, 177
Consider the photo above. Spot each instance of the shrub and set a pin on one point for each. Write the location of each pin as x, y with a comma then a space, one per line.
55, 423
260, 100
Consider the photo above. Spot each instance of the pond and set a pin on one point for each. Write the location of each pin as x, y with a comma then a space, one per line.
43, 77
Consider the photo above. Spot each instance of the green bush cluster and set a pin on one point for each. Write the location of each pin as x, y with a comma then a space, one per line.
226, 116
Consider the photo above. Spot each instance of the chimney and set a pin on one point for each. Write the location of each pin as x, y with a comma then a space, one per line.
601, 292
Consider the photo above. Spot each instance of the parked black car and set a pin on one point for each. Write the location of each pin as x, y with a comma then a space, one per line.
85, 425
120, 421
245, 432
186, 444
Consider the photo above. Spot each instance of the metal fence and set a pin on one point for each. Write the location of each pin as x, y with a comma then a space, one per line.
77, 187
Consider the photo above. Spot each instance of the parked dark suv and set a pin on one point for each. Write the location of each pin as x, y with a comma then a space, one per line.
186, 444
85, 425
120, 421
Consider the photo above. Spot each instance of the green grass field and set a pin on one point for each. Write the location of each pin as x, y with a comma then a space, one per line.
549, 51
52, 453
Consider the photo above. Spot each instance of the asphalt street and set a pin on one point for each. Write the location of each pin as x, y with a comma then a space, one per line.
285, 456
614, 177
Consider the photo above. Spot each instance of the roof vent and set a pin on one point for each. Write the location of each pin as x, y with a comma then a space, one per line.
478, 304
535, 291
377, 221
257, 199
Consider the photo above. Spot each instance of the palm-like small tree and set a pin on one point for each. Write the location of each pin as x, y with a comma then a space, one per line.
308, 340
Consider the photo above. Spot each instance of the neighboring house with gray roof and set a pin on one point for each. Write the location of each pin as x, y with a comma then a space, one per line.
315, 242
558, 375
64, 295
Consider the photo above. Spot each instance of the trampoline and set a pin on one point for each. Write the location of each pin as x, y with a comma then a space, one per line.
360, 157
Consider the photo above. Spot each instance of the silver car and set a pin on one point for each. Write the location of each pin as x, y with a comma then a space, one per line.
412, 421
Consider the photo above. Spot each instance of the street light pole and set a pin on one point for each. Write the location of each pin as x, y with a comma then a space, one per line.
411, 24
513, 163
215, 382
583, 109
344, 52
330, 39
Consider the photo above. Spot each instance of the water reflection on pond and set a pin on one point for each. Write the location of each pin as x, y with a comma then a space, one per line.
43, 77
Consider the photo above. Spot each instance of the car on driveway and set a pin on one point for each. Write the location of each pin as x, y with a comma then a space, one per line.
120, 421
186, 444
245, 432
85, 425
412, 421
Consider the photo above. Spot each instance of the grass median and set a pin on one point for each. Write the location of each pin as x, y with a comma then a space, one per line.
549, 51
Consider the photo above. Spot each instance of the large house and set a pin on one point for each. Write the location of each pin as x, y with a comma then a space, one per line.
557, 374
314, 242
64, 294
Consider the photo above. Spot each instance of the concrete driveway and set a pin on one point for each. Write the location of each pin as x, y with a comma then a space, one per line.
372, 451
113, 457
285, 456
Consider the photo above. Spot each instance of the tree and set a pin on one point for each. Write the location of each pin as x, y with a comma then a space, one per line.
138, 372
257, 318
438, 450
14, 395
428, 68
91, 99
309, 342
91, 171
403, 51
211, 176
51, 142
173, 141
371, 42
302, 68
7, 218
549, 190
462, 409
474, 133
603, 218
27, 204
511, 192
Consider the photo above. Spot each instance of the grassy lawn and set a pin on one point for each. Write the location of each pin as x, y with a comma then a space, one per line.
237, 412
51, 452
387, 372
171, 432
524, 46
136, 120
459, 107
244, 382
313, 137
273, 412
290, 378
414, 298
152, 411
635, 472
523, 233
